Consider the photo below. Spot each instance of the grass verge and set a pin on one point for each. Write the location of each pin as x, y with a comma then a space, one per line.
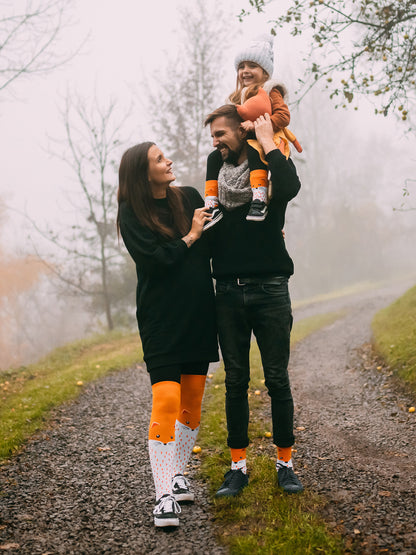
394, 330
29, 393
262, 519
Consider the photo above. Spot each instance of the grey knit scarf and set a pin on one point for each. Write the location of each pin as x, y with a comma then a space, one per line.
234, 185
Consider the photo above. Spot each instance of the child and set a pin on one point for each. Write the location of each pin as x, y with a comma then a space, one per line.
255, 95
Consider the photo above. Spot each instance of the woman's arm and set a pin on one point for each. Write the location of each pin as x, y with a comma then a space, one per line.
145, 247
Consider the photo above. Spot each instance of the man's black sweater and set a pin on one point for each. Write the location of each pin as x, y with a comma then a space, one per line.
242, 248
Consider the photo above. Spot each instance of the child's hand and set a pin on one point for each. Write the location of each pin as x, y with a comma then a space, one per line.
264, 133
248, 125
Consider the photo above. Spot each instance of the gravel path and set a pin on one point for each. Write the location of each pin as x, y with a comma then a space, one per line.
358, 448
82, 486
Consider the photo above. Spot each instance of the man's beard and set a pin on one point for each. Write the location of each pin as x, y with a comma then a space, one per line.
231, 157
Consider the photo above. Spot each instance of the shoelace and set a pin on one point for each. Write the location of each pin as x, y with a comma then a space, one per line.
181, 482
167, 505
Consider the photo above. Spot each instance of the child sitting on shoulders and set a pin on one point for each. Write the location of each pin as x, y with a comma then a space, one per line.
255, 95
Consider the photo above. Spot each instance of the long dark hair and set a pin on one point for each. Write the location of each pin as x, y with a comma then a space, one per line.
135, 189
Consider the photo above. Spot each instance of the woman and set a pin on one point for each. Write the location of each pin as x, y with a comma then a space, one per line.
161, 226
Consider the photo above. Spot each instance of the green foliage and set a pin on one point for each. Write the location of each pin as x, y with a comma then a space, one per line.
360, 47
28, 394
394, 330
262, 519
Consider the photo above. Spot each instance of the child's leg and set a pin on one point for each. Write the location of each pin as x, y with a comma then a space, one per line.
259, 185
214, 163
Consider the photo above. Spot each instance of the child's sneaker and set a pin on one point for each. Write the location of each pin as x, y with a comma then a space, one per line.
257, 212
166, 511
216, 215
180, 489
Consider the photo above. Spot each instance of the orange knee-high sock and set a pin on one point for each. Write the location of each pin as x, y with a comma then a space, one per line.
166, 400
258, 178
211, 188
211, 193
259, 185
165, 407
187, 424
284, 454
192, 391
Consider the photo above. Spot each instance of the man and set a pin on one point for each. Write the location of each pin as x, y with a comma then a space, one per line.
251, 266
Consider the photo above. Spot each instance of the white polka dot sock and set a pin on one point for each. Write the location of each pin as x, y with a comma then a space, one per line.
260, 193
185, 439
211, 202
240, 465
161, 457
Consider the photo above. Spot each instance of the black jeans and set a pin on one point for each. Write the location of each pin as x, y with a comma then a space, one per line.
264, 309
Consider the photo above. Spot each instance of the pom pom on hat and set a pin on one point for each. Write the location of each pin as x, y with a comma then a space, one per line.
259, 51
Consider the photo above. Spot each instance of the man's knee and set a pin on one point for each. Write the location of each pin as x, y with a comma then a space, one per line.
279, 388
236, 386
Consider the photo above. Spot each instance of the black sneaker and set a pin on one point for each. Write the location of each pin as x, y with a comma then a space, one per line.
257, 212
216, 214
180, 489
288, 480
235, 481
166, 511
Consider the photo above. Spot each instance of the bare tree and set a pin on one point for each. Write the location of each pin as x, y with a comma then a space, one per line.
364, 47
88, 258
180, 98
29, 38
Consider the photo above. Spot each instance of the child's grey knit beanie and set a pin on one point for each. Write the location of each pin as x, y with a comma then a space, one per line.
260, 51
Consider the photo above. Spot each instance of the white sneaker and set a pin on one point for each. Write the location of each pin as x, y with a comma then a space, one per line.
166, 511
180, 489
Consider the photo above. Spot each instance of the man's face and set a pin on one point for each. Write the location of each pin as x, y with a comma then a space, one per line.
227, 138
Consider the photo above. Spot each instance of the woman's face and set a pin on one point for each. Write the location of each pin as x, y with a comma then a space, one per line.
160, 171
250, 73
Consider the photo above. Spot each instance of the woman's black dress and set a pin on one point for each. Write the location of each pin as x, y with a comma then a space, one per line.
175, 296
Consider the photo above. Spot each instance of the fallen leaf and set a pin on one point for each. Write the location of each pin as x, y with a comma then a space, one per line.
6, 546
356, 531
385, 493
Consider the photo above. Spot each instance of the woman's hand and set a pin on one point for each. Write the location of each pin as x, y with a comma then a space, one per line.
264, 133
201, 216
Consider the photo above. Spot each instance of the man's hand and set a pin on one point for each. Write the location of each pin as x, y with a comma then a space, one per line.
264, 133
